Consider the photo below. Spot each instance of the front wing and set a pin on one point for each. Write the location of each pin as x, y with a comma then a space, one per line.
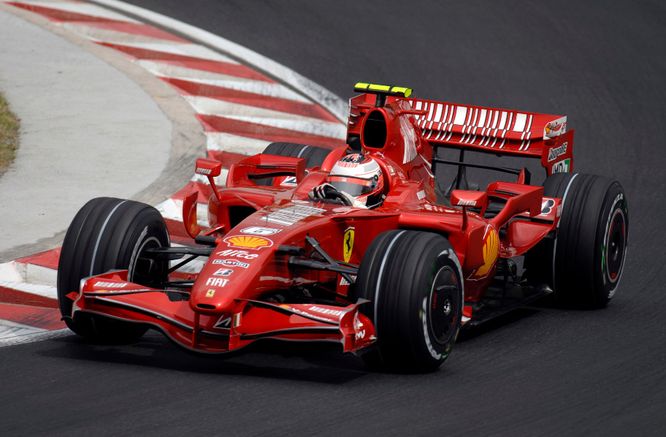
111, 295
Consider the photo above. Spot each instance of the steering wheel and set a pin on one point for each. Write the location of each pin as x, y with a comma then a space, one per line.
329, 192
336, 195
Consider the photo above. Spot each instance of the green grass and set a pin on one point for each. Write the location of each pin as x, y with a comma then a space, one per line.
9, 135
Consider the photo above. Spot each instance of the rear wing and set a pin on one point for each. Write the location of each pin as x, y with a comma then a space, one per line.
499, 131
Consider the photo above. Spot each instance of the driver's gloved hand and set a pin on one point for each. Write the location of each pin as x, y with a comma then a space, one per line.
323, 191
327, 191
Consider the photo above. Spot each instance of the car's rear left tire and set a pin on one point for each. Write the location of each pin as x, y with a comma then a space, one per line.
109, 234
415, 286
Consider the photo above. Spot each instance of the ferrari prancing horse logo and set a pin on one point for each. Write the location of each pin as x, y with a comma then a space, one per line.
348, 244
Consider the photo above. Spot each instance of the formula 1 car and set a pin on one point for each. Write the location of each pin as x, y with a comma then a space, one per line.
394, 283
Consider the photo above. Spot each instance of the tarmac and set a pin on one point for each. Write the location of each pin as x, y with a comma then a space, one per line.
87, 130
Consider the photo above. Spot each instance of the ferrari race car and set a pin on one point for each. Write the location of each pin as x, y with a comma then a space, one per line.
295, 250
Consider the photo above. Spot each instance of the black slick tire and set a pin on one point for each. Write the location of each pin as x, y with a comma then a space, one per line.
109, 234
414, 283
583, 264
314, 156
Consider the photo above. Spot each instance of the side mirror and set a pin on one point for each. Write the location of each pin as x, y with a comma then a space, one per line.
208, 167
468, 198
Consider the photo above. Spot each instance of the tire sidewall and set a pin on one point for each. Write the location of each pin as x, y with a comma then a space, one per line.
615, 203
580, 276
397, 276
437, 350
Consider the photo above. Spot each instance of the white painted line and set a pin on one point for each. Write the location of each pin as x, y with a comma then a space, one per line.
176, 48
209, 106
109, 35
243, 145
317, 93
79, 8
11, 329
48, 291
35, 336
172, 209
12, 271
166, 70
40, 275
322, 129
162, 68
17, 272
267, 117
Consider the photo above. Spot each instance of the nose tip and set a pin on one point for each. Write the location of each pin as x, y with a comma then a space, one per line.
215, 303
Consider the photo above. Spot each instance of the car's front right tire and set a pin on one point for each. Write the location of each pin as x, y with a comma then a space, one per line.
109, 234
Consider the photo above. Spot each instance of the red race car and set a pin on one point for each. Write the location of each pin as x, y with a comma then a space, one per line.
357, 244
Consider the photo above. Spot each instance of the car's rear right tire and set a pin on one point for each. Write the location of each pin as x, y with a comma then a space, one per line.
415, 286
583, 264
314, 156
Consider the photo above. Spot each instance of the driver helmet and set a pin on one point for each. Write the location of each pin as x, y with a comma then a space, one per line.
360, 177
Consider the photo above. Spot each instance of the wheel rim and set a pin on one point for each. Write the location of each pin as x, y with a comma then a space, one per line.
144, 270
442, 307
615, 245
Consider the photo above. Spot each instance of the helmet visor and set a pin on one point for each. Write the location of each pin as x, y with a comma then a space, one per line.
353, 186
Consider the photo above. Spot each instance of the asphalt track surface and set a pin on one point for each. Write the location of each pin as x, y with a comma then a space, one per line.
541, 372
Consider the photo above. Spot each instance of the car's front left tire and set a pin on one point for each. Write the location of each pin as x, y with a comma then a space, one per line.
414, 283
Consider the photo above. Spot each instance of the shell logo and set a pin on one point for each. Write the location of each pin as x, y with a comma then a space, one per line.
248, 242
490, 252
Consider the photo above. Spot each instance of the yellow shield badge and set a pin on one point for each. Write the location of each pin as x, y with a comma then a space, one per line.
491, 245
348, 244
